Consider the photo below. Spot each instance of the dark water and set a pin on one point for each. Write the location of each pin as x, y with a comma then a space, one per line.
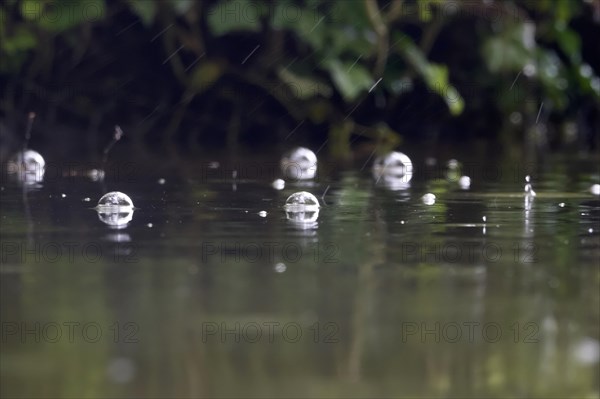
383, 296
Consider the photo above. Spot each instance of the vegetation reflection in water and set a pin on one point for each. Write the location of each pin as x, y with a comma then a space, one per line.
480, 293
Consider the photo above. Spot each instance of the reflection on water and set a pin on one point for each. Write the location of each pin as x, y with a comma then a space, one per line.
484, 292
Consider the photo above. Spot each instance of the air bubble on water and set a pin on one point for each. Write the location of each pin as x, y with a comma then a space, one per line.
278, 184
299, 164
595, 189
161, 181
464, 182
302, 208
149, 225
428, 199
115, 209
262, 214
63, 195
394, 169
562, 205
28, 166
590, 230
402, 222
301, 201
87, 199
115, 199
280, 267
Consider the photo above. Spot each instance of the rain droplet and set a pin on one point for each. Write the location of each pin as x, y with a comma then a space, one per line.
87, 199
278, 184
595, 189
149, 225
527, 178
262, 214
428, 199
464, 182
299, 164
63, 195
161, 181
590, 230
301, 201
394, 168
484, 218
280, 267
562, 204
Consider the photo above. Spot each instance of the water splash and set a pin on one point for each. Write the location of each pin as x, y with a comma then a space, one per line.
299, 164
395, 169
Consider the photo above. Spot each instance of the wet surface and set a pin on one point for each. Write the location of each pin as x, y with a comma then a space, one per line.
211, 289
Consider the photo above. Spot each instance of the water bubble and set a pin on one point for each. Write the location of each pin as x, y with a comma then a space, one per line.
562, 204
115, 199
301, 201
28, 166
302, 208
516, 118
161, 181
262, 214
149, 225
278, 184
428, 199
63, 195
394, 168
464, 182
115, 209
87, 199
484, 218
299, 164
595, 189
280, 267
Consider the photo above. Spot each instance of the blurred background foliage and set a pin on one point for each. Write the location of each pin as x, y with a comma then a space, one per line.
357, 73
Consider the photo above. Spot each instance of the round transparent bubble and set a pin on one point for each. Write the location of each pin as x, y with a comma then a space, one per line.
299, 164
395, 169
302, 201
595, 189
115, 199
115, 209
27, 166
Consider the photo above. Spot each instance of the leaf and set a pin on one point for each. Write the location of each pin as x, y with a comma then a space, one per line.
349, 79
235, 15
